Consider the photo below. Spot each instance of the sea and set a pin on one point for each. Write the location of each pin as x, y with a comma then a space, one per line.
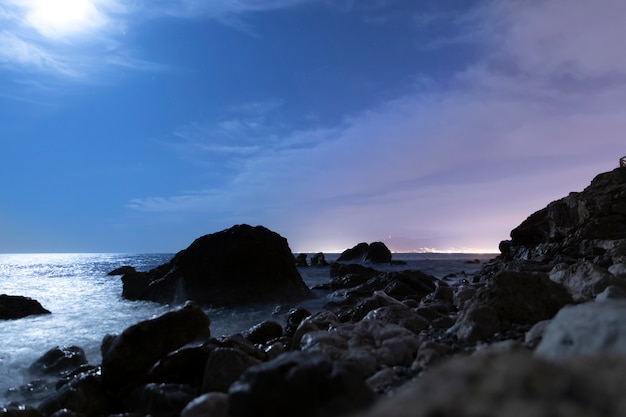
86, 304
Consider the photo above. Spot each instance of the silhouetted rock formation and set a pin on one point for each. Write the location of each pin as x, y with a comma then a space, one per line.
240, 265
123, 270
16, 307
375, 252
584, 224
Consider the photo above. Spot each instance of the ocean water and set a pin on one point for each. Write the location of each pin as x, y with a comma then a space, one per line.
86, 304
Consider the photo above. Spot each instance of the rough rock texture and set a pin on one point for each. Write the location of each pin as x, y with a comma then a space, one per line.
240, 265
584, 279
16, 307
587, 223
586, 329
513, 384
299, 384
59, 359
126, 358
510, 297
375, 252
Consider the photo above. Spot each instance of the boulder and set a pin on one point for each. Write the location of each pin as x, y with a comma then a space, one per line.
16, 307
299, 384
128, 357
58, 360
510, 297
584, 279
84, 394
163, 400
512, 384
301, 260
225, 366
585, 329
375, 252
263, 332
182, 366
240, 265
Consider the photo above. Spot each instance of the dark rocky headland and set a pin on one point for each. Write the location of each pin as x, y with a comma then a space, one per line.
538, 331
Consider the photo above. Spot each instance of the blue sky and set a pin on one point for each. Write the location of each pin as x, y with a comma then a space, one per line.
139, 126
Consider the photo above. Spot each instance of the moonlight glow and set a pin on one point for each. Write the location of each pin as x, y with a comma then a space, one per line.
59, 19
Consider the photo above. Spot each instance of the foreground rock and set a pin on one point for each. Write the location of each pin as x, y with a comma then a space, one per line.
513, 384
240, 265
16, 307
586, 329
376, 253
129, 356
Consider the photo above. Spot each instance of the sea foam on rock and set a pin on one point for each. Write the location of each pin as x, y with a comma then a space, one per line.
240, 265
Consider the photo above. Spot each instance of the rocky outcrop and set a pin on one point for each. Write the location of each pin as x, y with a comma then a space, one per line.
375, 253
240, 265
591, 223
123, 270
17, 307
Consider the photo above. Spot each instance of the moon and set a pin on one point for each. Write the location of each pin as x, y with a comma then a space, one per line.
61, 18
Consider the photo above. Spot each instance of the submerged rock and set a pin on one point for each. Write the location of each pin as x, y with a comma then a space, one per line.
17, 307
240, 265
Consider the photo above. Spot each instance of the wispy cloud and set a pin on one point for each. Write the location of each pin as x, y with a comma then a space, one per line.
465, 161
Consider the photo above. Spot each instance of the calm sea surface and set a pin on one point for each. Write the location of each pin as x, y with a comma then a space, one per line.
86, 304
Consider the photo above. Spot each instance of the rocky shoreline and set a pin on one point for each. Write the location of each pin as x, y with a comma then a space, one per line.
536, 332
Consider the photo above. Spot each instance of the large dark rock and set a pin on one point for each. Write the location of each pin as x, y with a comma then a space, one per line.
510, 297
375, 252
581, 224
128, 357
16, 307
240, 265
299, 384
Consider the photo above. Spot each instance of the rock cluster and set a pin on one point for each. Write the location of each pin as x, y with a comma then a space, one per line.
536, 332
240, 265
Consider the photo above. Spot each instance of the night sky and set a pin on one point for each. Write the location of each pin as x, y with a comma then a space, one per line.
138, 126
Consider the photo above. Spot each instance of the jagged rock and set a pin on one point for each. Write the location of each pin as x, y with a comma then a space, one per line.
301, 260
375, 252
16, 307
580, 225
83, 394
510, 297
299, 383
512, 384
400, 315
123, 270
126, 358
319, 260
586, 329
240, 265
59, 359
584, 279
368, 344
